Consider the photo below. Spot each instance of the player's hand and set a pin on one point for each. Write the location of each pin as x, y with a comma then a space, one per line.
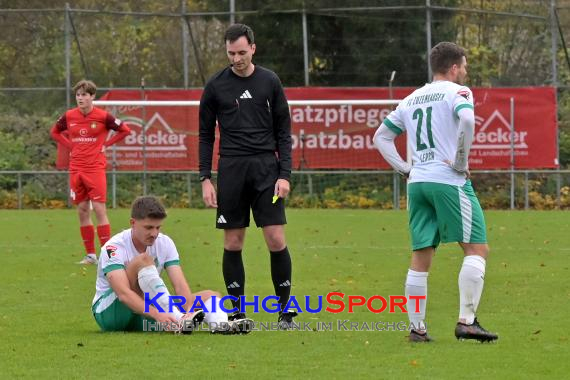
209, 194
466, 171
282, 188
166, 318
405, 175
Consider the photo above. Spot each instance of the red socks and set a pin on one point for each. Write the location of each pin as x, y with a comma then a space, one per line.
88, 236
104, 232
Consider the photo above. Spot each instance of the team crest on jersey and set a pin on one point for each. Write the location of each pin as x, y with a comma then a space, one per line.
93, 125
463, 93
111, 251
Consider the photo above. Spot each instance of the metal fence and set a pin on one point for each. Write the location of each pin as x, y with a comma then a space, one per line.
525, 41
501, 189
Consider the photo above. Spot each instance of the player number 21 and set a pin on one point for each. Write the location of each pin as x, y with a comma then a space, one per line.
419, 115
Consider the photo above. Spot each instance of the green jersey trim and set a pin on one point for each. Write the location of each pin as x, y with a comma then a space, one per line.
113, 267
392, 126
461, 106
171, 262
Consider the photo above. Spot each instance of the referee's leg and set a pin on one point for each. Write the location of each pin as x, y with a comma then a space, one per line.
232, 264
281, 267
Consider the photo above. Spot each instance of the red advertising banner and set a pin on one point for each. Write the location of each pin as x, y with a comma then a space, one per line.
535, 128
340, 136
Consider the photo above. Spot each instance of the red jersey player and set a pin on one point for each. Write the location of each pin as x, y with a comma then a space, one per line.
87, 131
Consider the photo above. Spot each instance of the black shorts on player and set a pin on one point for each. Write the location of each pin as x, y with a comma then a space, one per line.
248, 182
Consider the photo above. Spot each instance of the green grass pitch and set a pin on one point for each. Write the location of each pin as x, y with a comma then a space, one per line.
47, 331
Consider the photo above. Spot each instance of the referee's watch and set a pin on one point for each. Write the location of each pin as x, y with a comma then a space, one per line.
204, 177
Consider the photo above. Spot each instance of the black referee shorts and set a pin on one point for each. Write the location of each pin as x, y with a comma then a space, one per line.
248, 182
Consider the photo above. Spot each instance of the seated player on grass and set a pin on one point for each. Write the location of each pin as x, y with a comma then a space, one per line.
129, 266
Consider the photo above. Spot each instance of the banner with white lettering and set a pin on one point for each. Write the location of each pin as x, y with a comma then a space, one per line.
340, 136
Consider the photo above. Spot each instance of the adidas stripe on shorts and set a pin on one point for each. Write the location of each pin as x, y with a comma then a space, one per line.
444, 213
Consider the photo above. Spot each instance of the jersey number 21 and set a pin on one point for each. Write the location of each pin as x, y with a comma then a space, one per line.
419, 116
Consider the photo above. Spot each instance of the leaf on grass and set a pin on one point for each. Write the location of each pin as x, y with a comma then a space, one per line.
414, 363
536, 332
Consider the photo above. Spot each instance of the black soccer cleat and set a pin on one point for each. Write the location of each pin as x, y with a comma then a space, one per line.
242, 326
190, 321
474, 331
285, 320
417, 337
235, 316
238, 323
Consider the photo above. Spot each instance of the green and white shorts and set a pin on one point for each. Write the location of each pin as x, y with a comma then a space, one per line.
444, 213
112, 315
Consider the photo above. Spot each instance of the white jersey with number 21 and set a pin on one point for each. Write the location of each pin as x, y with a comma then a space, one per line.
429, 116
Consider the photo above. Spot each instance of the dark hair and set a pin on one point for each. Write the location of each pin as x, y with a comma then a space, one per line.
85, 85
236, 31
147, 207
444, 55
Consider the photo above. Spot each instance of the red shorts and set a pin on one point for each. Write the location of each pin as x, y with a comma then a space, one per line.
85, 186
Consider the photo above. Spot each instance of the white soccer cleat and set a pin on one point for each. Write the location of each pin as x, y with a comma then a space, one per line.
88, 260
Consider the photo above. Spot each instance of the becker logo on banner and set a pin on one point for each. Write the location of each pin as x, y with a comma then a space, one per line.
162, 146
495, 133
158, 134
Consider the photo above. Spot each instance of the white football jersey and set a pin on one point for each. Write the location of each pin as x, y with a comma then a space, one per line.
120, 250
429, 116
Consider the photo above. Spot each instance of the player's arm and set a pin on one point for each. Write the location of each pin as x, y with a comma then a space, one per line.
121, 129
180, 284
384, 142
465, 139
120, 284
57, 130
207, 137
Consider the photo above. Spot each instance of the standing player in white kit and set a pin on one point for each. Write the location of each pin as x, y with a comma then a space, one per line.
439, 120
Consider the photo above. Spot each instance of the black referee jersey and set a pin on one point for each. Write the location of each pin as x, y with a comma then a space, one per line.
253, 116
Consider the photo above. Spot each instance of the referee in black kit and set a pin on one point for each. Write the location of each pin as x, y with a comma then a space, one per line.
254, 168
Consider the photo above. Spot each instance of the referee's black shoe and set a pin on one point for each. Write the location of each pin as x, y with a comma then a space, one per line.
285, 320
474, 331
239, 323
